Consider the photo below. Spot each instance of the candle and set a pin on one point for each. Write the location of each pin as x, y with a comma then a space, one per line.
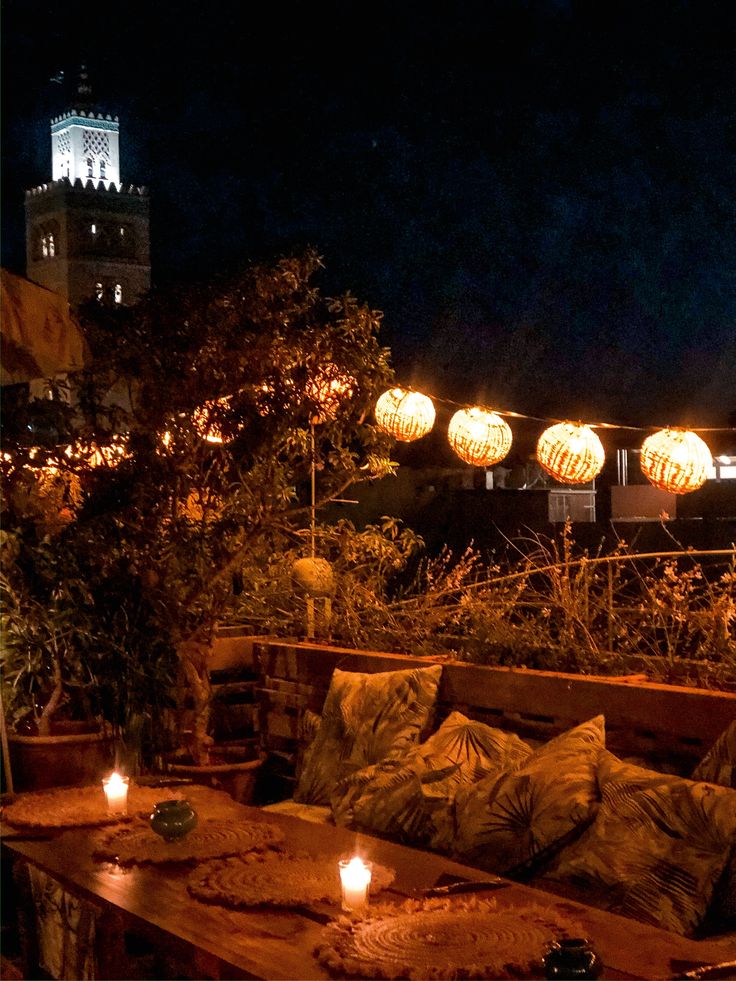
116, 793
355, 878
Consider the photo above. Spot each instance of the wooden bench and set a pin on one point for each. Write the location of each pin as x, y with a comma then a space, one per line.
666, 727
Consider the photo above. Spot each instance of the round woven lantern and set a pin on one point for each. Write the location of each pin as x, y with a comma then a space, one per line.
313, 576
202, 417
479, 437
405, 415
675, 460
571, 453
328, 390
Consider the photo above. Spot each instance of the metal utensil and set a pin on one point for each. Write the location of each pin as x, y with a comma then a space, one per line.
715, 972
469, 885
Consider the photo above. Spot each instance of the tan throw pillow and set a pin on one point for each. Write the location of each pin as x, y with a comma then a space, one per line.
411, 799
366, 718
506, 819
719, 763
657, 847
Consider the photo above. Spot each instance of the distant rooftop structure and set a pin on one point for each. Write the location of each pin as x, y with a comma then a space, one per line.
87, 234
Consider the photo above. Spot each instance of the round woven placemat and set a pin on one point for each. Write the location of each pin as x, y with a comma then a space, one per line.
210, 839
278, 880
71, 807
443, 939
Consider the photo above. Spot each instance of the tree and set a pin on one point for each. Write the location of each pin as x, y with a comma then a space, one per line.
191, 447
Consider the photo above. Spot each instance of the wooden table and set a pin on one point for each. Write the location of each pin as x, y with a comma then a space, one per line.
215, 942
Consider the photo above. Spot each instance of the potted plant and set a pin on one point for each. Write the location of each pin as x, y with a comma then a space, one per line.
49, 686
80, 692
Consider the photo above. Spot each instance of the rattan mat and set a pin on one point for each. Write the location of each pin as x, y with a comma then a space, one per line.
278, 880
210, 839
444, 939
71, 807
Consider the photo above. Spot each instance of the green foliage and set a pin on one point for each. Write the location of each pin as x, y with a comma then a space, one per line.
73, 649
156, 530
547, 605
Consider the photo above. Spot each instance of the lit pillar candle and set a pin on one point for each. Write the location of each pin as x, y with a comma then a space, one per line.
116, 793
355, 878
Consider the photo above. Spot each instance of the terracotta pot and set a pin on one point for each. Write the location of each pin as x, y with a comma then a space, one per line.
64, 760
231, 771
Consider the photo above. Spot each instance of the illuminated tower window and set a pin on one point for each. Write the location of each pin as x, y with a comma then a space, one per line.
45, 247
118, 293
93, 228
99, 292
52, 247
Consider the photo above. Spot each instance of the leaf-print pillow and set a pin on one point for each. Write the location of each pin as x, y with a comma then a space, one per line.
411, 799
719, 763
657, 848
366, 718
506, 819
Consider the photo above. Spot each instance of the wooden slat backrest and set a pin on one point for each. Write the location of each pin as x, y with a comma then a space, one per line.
663, 724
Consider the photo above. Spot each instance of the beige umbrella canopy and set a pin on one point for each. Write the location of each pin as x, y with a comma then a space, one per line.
39, 338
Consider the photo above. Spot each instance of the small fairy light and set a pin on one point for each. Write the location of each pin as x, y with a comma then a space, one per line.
675, 460
405, 415
479, 437
571, 453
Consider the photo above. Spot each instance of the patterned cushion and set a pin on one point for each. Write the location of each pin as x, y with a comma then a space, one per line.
506, 819
410, 799
315, 813
657, 848
366, 718
719, 763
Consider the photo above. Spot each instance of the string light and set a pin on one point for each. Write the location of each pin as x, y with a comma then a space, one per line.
675, 460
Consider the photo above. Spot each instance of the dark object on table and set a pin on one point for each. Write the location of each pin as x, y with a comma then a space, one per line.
571, 958
173, 819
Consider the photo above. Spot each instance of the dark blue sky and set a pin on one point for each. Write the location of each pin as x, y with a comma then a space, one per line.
540, 196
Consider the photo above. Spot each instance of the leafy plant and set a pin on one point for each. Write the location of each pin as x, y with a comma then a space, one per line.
544, 605
188, 450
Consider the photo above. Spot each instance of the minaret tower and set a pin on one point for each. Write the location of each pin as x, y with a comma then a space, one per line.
87, 234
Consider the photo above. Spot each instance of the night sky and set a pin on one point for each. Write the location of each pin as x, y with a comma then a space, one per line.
540, 196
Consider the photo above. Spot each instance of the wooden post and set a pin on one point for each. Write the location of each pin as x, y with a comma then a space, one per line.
6, 751
610, 606
310, 618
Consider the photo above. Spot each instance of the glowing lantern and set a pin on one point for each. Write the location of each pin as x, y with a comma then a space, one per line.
571, 453
405, 415
675, 460
201, 417
328, 389
479, 437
